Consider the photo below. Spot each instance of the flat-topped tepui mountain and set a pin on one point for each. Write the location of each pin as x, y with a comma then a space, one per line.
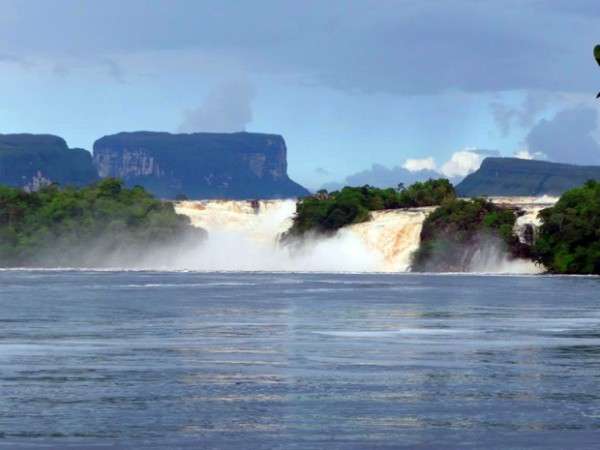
199, 165
232, 166
513, 177
32, 160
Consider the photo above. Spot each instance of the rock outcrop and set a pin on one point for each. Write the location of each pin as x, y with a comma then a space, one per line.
199, 165
31, 161
520, 177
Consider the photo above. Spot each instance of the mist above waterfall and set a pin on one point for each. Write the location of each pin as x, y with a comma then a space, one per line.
244, 236
490, 255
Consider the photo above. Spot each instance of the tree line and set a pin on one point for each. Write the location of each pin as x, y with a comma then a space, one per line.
60, 227
57, 227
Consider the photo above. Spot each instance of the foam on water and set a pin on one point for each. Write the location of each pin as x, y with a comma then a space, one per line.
392, 333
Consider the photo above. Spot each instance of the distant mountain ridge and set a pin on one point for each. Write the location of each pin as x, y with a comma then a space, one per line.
514, 177
32, 160
197, 166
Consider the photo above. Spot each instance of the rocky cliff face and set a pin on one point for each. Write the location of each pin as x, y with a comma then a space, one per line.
31, 161
199, 165
111, 162
521, 178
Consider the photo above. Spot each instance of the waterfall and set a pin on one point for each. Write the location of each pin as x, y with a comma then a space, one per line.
394, 235
527, 223
244, 235
492, 259
260, 221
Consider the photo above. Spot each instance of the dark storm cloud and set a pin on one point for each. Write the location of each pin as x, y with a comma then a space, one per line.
396, 46
226, 109
567, 137
507, 116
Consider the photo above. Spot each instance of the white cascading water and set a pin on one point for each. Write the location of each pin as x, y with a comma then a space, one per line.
527, 222
244, 236
394, 235
492, 259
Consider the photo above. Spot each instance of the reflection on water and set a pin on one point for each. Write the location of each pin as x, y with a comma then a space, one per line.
259, 360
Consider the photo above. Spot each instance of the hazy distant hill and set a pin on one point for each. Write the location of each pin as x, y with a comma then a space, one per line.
199, 165
31, 160
522, 177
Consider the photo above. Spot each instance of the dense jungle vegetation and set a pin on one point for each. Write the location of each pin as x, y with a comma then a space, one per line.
569, 238
458, 228
325, 212
70, 227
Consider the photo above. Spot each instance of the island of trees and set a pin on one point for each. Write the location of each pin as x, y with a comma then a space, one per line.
86, 226
326, 212
458, 228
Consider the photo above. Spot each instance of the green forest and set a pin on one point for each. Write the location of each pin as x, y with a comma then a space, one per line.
326, 212
71, 227
460, 226
56, 227
569, 238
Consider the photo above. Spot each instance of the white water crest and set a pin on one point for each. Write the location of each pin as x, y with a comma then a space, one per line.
527, 223
244, 235
491, 258
394, 235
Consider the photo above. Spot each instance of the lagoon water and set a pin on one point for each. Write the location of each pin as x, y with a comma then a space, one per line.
116, 359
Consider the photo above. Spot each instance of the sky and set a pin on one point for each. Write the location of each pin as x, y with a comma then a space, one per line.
364, 92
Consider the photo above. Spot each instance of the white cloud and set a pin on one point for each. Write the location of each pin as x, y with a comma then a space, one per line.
227, 108
524, 154
415, 165
462, 163
533, 104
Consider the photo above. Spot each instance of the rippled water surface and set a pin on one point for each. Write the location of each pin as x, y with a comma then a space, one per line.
307, 361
